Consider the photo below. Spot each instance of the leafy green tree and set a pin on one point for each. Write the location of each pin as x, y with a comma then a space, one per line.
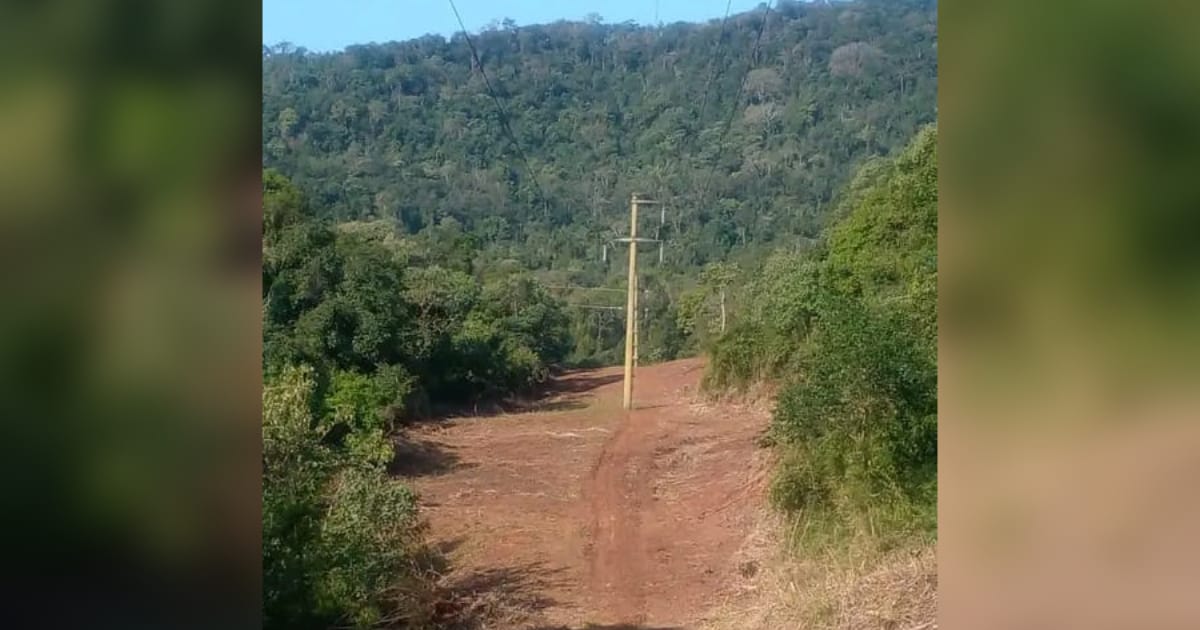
441, 299
703, 311
389, 329
716, 278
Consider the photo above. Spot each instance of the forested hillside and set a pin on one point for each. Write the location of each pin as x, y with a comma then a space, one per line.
748, 128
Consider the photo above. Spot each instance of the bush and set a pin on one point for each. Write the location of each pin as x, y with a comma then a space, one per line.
770, 339
860, 426
341, 540
850, 330
737, 358
369, 402
372, 553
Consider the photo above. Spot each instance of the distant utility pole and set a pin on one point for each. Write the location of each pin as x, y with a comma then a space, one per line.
631, 306
637, 327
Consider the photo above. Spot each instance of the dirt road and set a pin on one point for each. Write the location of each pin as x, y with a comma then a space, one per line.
576, 514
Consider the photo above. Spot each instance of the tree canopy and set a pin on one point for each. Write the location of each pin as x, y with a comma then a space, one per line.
748, 145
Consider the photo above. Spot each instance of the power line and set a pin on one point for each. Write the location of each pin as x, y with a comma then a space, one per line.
713, 71
712, 66
499, 106
736, 99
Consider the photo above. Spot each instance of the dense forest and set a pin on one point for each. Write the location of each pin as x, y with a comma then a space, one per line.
746, 128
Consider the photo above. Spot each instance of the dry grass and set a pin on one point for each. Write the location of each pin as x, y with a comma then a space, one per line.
759, 395
497, 599
893, 591
898, 592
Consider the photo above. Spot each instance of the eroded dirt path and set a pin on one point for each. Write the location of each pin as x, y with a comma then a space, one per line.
577, 514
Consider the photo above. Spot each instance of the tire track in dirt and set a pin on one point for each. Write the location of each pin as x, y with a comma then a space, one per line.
616, 552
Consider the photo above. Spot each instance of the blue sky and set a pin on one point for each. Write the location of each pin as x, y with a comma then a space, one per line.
325, 25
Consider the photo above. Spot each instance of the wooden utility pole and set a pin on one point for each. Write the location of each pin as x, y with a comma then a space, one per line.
631, 306
632, 298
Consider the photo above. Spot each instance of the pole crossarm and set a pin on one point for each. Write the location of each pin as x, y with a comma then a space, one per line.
572, 287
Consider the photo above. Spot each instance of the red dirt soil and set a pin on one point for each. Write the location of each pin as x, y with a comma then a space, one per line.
577, 514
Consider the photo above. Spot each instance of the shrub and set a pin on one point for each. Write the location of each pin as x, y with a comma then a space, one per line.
341, 540
860, 426
369, 402
737, 358
850, 331
770, 339
372, 552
